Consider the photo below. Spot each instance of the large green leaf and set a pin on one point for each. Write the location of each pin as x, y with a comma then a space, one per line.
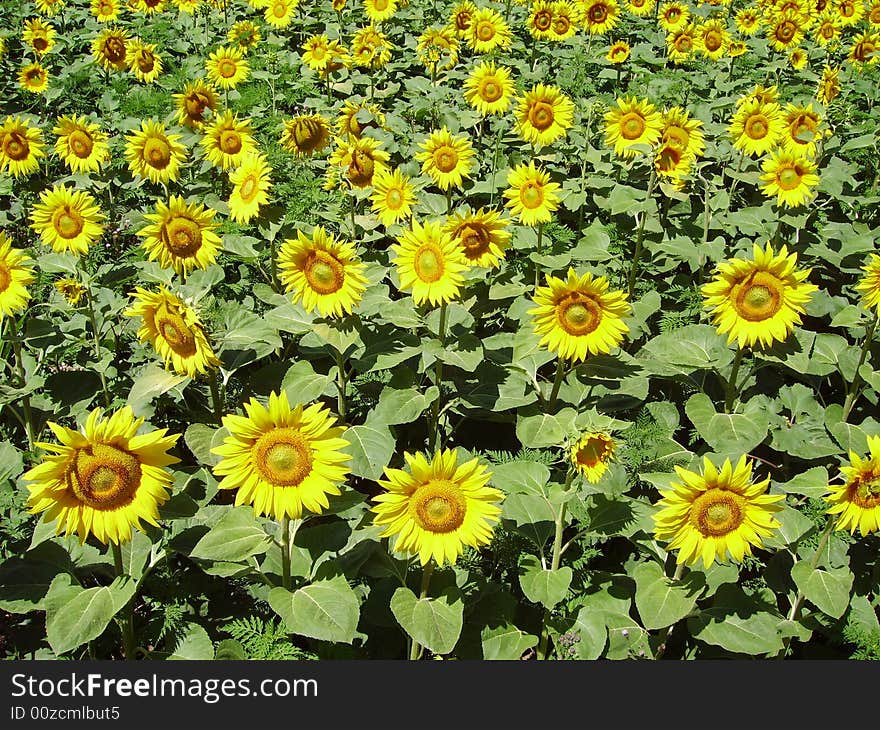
728, 432
827, 589
326, 610
401, 405
521, 476
192, 644
371, 447
435, 623
237, 536
541, 429
547, 587
683, 350
737, 623
506, 642
660, 601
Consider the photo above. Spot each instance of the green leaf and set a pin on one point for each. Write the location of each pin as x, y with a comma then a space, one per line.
230, 650
302, 384
506, 642
237, 536
193, 645
811, 483
327, 610
149, 384
828, 589
547, 587
435, 623
728, 432
11, 462
201, 438
521, 476
737, 623
541, 429
590, 626
793, 526
683, 350
403, 405
25, 580
660, 601
371, 448
527, 509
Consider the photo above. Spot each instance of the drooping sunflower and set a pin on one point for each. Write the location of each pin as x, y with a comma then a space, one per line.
21, 146
803, 125
482, 235
578, 316
785, 31
33, 78
305, 134
245, 35
618, 53
393, 197
15, 275
39, 36
227, 140
531, 196
437, 49
566, 18
757, 127
599, 16
71, 289
712, 39
758, 301
279, 13
712, 514
227, 67
591, 454
175, 331
357, 117
446, 159
856, 502
829, 85
748, 21
488, 31
81, 144
251, 182
379, 10
673, 16
489, 88
144, 62
67, 220
681, 43
181, 236
790, 177
110, 49
540, 20
865, 49
461, 17
682, 132
544, 114
323, 272
633, 122
197, 99
360, 160
429, 262
438, 506
283, 460
153, 153
103, 480
105, 11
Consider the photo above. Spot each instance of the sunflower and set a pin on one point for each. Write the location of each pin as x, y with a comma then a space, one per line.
227, 140
437, 507
865, 49
325, 273
579, 316
488, 31
356, 117
194, 102
33, 78
283, 460
712, 514
874, 13
633, 122
785, 31
566, 18
21, 146
181, 236
15, 275
640, 8
154, 154
379, 10
110, 49
227, 67
393, 197
489, 88
803, 130
251, 182
681, 43
103, 480
758, 301
672, 163
673, 16
279, 13
174, 330
712, 39
748, 21
761, 94
49, 7
482, 236
798, 59
869, 284
737, 48
789, 177
306, 134
827, 30
462, 17
857, 500
531, 196
850, 12
829, 85
360, 159
429, 262
147, 7
438, 49
446, 159
370, 47
316, 52
543, 115
39, 36
245, 35
591, 455
757, 127
144, 62
67, 220
682, 132
540, 20
81, 144
618, 53
71, 289
105, 11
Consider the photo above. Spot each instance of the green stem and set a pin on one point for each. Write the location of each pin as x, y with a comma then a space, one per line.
438, 381
12, 328
285, 552
216, 400
544, 646
427, 572
538, 251
495, 165
731, 381
557, 382
274, 264
341, 384
126, 615
661, 650
742, 159
637, 254
352, 211
96, 337
853, 389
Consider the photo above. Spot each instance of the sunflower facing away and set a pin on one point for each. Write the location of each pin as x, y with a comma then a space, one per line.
578, 316
758, 301
227, 140
869, 284
283, 460
633, 122
790, 177
325, 273
438, 49
712, 514
21, 146
543, 114
15, 275
531, 196
429, 262
393, 197
857, 500
181, 236
306, 134
437, 507
489, 88
103, 480
828, 88
446, 159
591, 455
227, 67
67, 220
194, 102
757, 127
482, 236
251, 182
81, 144
154, 154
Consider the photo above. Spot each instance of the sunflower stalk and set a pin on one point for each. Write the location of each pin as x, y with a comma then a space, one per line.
12, 329
538, 251
555, 559
126, 614
661, 649
416, 649
90, 301
557, 383
341, 384
640, 235
438, 381
853, 388
285, 552
730, 390
216, 400
742, 159
498, 137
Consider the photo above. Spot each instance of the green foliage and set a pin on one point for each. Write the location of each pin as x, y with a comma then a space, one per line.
264, 639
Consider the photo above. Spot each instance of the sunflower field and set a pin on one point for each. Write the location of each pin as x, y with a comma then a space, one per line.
408, 329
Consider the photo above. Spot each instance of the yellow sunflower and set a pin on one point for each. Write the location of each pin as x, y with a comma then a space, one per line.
305, 134
379, 10
850, 12
865, 49
446, 159
437, 507
194, 102
673, 16
566, 18
489, 88
857, 500
757, 127
619, 52
110, 49
874, 13
356, 117
71, 289
392, 198
15, 275
154, 154
543, 114
641, 8
181, 236
245, 35
712, 39
488, 31
21, 146
370, 47
531, 196
633, 122
482, 236
790, 177
869, 284
712, 514
682, 132
829, 85
227, 140
49, 7
681, 43
105, 11
672, 163
360, 159
758, 301
33, 78
429, 262
438, 49
144, 62
39, 36
798, 59
227, 66
599, 16
147, 7
283, 460
462, 17
316, 52
251, 182
103, 480
578, 316
827, 29
803, 125
785, 31
748, 21
591, 455
67, 220
737, 48
761, 94
322, 271
540, 20
81, 144
279, 13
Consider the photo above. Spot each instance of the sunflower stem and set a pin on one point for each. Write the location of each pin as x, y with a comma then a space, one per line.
742, 159
438, 381
126, 615
637, 254
90, 301
853, 388
557, 382
341, 384
427, 572
285, 552
216, 400
538, 251
495, 165
731, 381
544, 647
12, 328
661, 650
352, 211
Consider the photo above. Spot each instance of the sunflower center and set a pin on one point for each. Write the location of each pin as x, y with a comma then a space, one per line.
543, 20
319, 53
15, 146
248, 188
759, 297
757, 127
40, 44
598, 14
5, 277
67, 222
668, 159
145, 61
490, 90
104, 477
531, 195
541, 115
789, 178
827, 31
474, 238
361, 169
463, 20
445, 158
279, 10
578, 314
196, 103
183, 236
175, 331
865, 492
847, 10
684, 43
561, 25
672, 15
394, 199
157, 153
324, 273
485, 31
713, 40
439, 506
717, 512
428, 263
79, 141
785, 31
632, 126
226, 68
593, 452
380, 5
230, 142
114, 50
307, 134
676, 137
283, 457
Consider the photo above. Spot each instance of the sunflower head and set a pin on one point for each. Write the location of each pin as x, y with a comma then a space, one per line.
618, 53
544, 114
482, 236
856, 502
67, 219
632, 123
869, 284
15, 274
181, 235
227, 66
591, 454
305, 134
489, 88
71, 289
488, 30
153, 153
195, 102
429, 262
21, 147
110, 49
251, 182
81, 144
446, 159
531, 196
790, 177
393, 197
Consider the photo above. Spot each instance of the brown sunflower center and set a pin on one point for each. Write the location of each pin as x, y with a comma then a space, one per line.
490, 89
319, 52
463, 20
684, 43
561, 24
428, 263
445, 158
5, 277
279, 9
174, 330
846, 9
80, 143
543, 19
598, 14
531, 194
324, 272
672, 14
785, 31
632, 125
307, 134
15, 146
713, 40
361, 168
114, 50
283, 457
227, 68
157, 153
717, 512
67, 222
789, 178
865, 491
578, 314
183, 236
759, 297
394, 199
475, 239
668, 158
827, 30
40, 44
33, 76
104, 477
438, 506
594, 452
195, 104
757, 126
541, 115
485, 31
230, 142
145, 61
248, 188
